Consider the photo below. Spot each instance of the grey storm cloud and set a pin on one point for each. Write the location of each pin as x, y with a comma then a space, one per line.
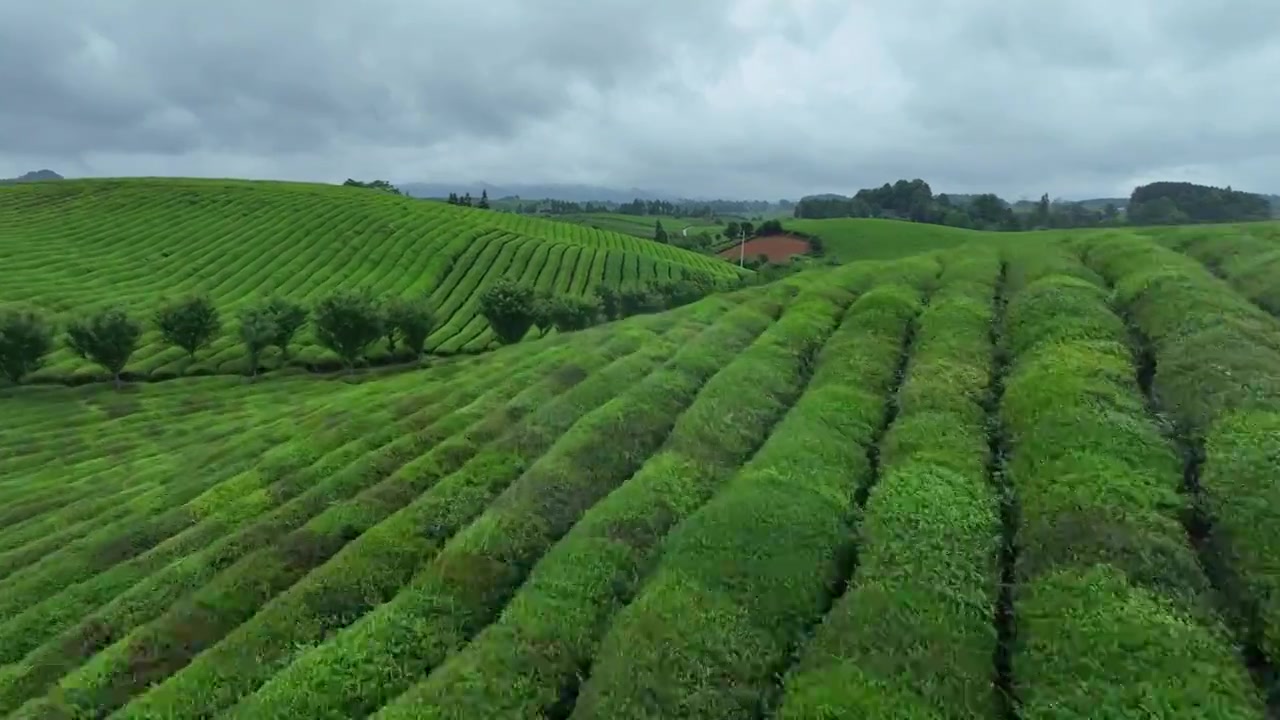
761, 98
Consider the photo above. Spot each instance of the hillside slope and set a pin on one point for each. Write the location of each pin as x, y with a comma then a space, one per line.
947, 486
80, 244
853, 239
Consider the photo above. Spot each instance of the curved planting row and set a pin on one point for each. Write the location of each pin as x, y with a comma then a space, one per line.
530, 659
1218, 374
744, 576
914, 636
473, 575
1112, 612
80, 245
375, 565
1251, 264
260, 555
112, 676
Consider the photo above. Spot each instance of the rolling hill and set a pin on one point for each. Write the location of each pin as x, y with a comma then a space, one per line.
76, 245
1017, 475
852, 239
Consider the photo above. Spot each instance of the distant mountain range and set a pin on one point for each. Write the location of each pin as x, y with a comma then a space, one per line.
33, 176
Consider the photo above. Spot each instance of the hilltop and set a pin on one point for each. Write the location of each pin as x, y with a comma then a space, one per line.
78, 245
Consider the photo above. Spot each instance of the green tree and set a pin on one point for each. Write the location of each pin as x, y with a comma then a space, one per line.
637, 300
288, 318
747, 229
509, 308
108, 338
574, 312
659, 232
258, 332
348, 323
484, 200
190, 323
25, 340
542, 312
410, 321
733, 230
610, 302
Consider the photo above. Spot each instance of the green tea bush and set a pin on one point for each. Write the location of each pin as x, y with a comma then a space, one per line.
1218, 375
524, 663
1103, 562
741, 579
467, 583
913, 637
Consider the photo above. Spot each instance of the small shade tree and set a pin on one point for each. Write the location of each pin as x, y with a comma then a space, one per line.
25, 340
108, 338
288, 318
258, 332
409, 321
543, 309
190, 323
610, 302
509, 308
348, 323
574, 312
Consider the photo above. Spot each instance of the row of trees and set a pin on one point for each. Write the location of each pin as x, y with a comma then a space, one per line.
733, 231
513, 309
1160, 203
346, 323
380, 185
467, 201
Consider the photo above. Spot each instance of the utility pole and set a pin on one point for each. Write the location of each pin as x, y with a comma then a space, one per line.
742, 248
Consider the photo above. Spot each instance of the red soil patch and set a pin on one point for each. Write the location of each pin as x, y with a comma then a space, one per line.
779, 248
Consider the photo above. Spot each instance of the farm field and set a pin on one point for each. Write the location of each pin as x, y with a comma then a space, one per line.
853, 239
1019, 477
78, 245
638, 225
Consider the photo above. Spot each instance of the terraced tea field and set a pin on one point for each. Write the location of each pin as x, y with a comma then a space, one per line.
78, 245
1027, 478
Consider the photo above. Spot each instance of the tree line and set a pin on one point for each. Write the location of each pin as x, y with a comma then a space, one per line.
347, 323
1156, 203
466, 200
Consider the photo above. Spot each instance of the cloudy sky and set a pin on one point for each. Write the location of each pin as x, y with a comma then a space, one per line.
744, 98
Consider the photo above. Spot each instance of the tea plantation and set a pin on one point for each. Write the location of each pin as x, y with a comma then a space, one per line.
1031, 476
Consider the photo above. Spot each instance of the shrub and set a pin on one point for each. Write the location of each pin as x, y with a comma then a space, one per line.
347, 324
574, 312
409, 321
107, 338
25, 340
190, 323
509, 308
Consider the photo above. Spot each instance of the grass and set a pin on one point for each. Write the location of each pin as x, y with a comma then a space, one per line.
854, 239
79, 245
1029, 476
